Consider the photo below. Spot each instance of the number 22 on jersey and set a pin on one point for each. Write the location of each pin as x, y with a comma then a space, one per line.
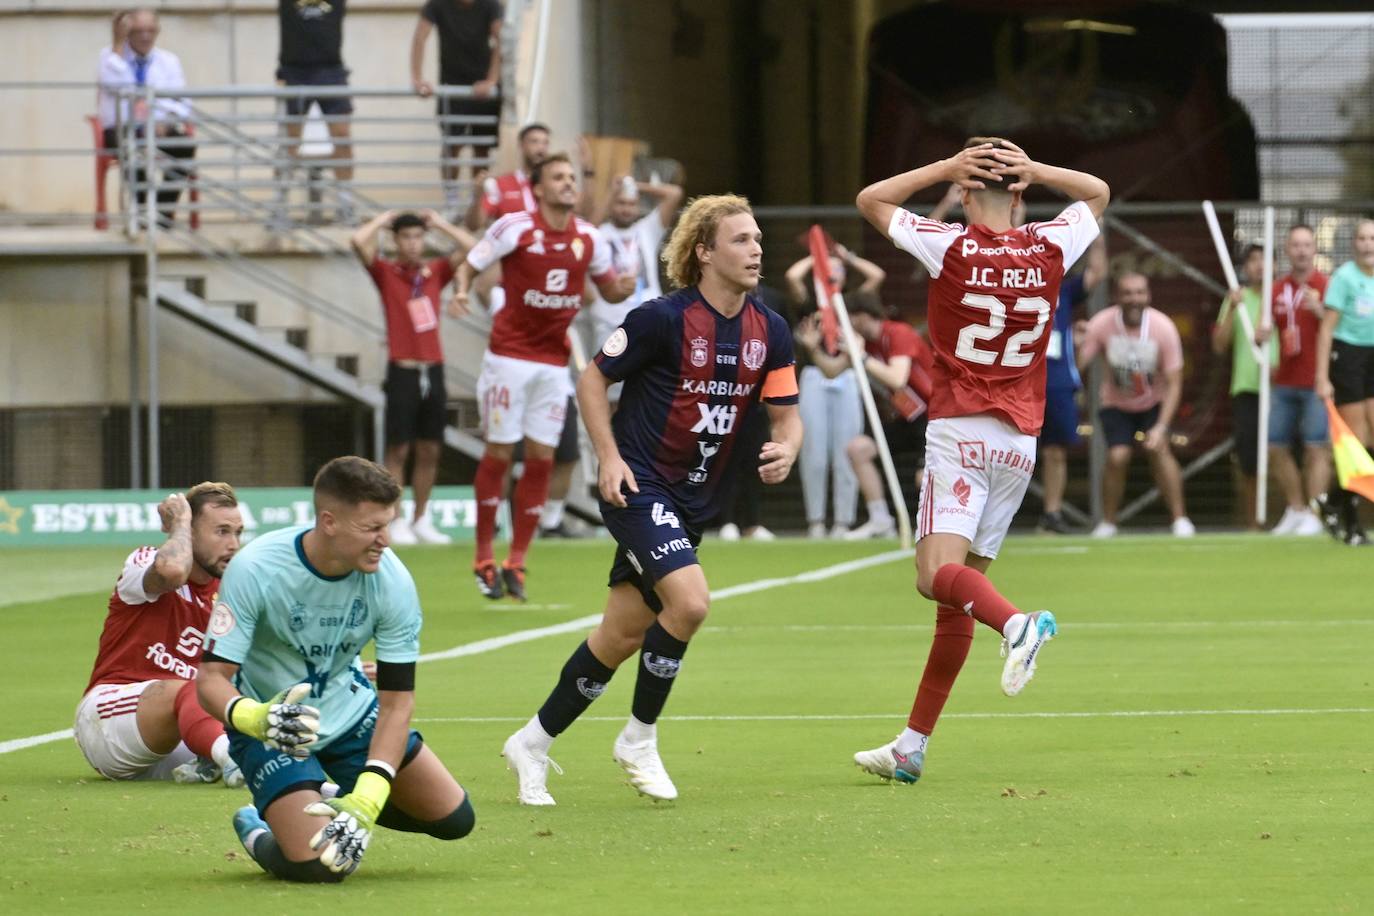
1013, 353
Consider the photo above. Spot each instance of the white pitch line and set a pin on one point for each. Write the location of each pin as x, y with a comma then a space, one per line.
581, 623
855, 717
1239, 626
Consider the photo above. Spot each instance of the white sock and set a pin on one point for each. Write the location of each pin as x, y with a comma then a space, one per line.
911, 741
1014, 625
553, 513
637, 732
877, 512
535, 737
219, 752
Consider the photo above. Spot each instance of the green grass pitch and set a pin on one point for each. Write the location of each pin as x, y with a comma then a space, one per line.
1197, 740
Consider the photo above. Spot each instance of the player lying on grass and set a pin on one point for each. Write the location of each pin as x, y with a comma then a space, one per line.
695, 364
992, 296
282, 670
139, 718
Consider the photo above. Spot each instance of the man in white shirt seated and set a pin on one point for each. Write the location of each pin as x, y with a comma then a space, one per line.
139, 63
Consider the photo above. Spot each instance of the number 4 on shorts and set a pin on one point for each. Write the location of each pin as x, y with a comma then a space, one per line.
662, 516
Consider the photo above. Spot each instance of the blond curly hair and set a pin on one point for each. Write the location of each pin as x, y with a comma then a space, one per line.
697, 226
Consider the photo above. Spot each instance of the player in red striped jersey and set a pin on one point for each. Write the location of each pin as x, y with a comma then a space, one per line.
140, 718
993, 290
523, 390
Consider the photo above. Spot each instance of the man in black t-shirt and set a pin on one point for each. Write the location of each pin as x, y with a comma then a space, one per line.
469, 55
311, 54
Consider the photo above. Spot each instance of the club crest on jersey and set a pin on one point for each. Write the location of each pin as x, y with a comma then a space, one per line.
578, 246
754, 353
699, 355
357, 614
295, 618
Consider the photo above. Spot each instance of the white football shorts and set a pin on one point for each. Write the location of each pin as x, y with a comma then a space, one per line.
107, 733
977, 471
522, 399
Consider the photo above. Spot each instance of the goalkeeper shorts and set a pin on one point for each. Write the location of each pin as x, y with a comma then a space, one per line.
271, 774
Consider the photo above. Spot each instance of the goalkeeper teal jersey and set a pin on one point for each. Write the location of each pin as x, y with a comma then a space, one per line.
285, 623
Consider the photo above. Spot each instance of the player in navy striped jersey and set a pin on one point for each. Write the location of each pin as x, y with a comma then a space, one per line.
695, 364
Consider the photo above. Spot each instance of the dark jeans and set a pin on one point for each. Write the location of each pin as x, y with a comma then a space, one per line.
176, 172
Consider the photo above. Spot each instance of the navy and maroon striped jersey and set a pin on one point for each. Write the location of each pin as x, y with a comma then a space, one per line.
691, 378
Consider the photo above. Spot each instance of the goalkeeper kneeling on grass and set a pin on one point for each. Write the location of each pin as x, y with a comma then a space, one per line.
281, 668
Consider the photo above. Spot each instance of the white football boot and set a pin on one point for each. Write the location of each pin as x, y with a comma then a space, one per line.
641, 763
1104, 530
531, 768
1182, 527
1021, 652
887, 763
873, 528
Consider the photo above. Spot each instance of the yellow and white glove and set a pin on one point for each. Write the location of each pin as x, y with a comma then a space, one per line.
342, 842
282, 723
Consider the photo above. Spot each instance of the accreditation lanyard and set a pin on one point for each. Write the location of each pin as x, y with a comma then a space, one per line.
422, 315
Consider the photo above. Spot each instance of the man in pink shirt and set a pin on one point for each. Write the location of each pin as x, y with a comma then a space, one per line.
1139, 395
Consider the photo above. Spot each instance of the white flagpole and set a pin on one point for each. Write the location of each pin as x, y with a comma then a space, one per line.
1266, 324
856, 356
1229, 270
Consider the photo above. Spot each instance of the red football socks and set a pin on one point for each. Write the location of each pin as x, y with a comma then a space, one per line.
966, 589
491, 477
530, 494
198, 728
953, 637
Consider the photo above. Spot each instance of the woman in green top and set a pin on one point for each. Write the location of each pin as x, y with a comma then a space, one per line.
1345, 363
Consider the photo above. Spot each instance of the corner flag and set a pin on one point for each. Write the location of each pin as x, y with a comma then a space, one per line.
1354, 467
826, 286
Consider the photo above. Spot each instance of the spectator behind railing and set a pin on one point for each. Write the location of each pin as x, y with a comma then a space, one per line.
119, 37
469, 55
311, 54
1229, 334
411, 290
140, 63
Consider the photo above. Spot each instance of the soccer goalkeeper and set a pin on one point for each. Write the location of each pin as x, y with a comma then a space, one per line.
281, 669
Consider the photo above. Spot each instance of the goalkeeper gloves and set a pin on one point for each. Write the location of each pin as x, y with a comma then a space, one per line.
342, 842
282, 723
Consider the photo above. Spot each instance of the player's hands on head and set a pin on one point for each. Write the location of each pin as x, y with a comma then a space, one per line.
613, 477
431, 218
174, 511
777, 459
283, 723
1012, 159
342, 842
974, 168
458, 305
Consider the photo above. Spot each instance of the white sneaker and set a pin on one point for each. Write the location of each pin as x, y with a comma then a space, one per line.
1182, 527
426, 533
729, 532
644, 767
1308, 525
1104, 530
1286, 524
816, 531
886, 763
531, 769
762, 534
1021, 652
873, 528
401, 534
839, 532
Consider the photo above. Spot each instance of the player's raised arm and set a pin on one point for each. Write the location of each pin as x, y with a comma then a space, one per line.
364, 241
1090, 189
171, 566
972, 169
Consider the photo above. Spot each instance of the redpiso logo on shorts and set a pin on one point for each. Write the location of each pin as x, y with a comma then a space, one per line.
962, 491
973, 455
